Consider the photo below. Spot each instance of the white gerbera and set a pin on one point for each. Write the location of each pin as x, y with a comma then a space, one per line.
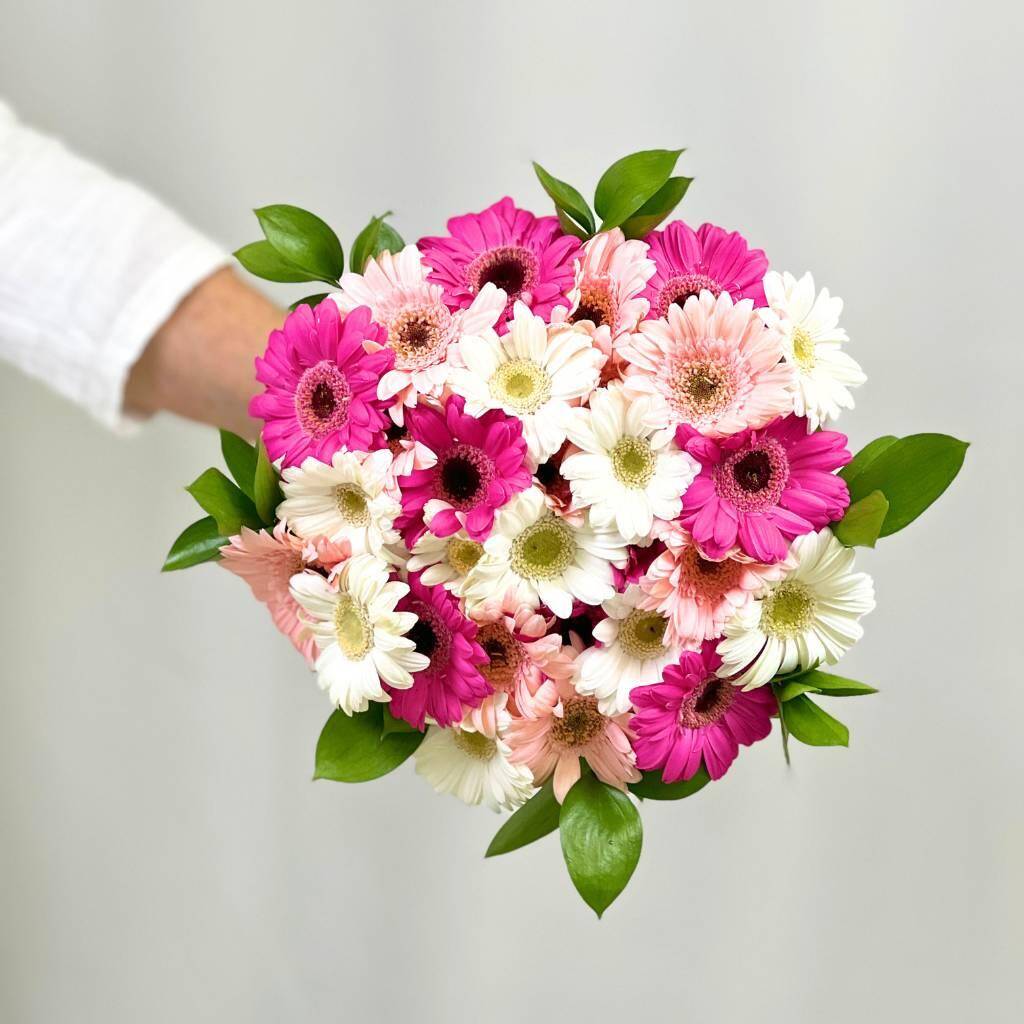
629, 473
445, 560
543, 559
809, 617
350, 499
360, 636
633, 653
532, 372
473, 766
812, 342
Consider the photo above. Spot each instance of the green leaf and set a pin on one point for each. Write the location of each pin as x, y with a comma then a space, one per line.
657, 208
377, 237
266, 487
353, 748
198, 543
783, 728
824, 683
263, 260
226, 502
567, 202
862, 523
911, 472
390, 724
651, 786
630, 182
787, 691
601, 840
809, 724
866, 456
534, 820
240, 457
304, 240
310, 300
569, 226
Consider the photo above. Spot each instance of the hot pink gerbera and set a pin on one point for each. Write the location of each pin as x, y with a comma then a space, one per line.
692, 715
527, 257
419, 325
452, 682
267, 562
567, 726
321, 373
713, 364
762, 488
697, 595
708, 259
481, 463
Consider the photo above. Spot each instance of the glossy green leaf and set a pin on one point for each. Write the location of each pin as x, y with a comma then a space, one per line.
198, 543
304, 240
825, 683
310, 300
862, 522
866, 456
240, 458
568, 202
630, 182
266, 487
353, 748
378, 236
601, 840
809, 724
651, 786
535, 819
657, 208
225, 501
911, 472
263, 260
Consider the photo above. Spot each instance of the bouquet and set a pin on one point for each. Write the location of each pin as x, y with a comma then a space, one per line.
556, 506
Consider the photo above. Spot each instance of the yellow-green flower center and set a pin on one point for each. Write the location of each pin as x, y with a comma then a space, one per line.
803, 349
463, 554
352, 628
475, 744
633, 462
788, 610
351, 502
642, 634
543, 550
521, 384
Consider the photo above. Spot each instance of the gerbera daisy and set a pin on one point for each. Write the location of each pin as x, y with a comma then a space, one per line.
480, 462
544, 560
566, 727
474, 767
812, 343
688, 262
629, 472
360, 635
267, 562
762, 488
445, 560
697, 594
633, 651
693, 715
534, 372
527, 257
349, 499
321, 374
452, 681
713, 364
808, 618
420, 327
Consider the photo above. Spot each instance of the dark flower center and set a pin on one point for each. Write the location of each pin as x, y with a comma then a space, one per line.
462, 476
322, 399
707, 704
423, 636
753, 472
709, 696
431, 636
580, 723
596, 305
678, 289
505, 653
513, 268
753, 480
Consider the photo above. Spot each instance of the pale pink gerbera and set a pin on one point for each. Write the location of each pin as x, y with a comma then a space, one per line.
321, 374
713, 364
567, 726
710, 259
693, 716
697, 595
267, 562
527, 257
605, 299
420, 326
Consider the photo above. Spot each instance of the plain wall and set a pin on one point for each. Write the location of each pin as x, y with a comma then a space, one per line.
164, 856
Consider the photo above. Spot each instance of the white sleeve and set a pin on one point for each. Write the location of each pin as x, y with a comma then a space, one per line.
90, 268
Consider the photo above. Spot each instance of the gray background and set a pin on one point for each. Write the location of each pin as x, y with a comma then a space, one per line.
164, 856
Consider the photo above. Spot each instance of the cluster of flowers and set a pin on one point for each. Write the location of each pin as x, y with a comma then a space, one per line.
558, 501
